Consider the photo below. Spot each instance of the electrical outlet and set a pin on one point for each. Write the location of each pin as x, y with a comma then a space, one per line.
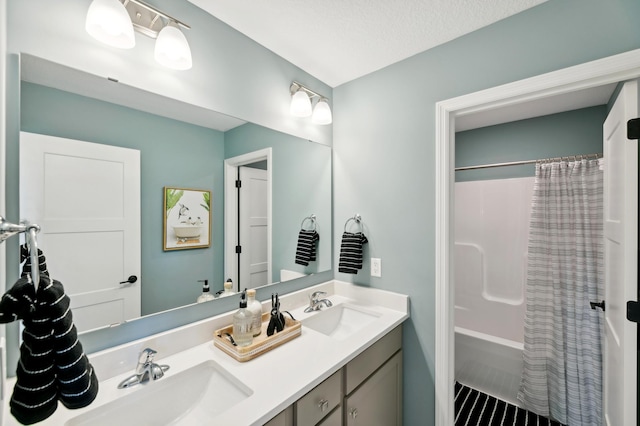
376, 267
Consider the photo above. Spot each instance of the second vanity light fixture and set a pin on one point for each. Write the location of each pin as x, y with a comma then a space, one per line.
113, 22
301, 98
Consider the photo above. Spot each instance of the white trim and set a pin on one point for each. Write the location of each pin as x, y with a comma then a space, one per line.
609, 70
231, 210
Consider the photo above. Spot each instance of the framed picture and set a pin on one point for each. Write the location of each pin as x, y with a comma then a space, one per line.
187, 218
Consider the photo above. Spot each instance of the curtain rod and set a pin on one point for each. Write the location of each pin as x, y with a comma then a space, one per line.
519, 163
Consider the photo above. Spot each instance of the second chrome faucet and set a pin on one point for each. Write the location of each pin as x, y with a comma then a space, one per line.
146, 370
315, 301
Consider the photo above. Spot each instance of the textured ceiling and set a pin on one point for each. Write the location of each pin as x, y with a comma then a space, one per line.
340, 40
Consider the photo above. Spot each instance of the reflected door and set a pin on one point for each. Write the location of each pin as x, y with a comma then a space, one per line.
86, 199
253, 227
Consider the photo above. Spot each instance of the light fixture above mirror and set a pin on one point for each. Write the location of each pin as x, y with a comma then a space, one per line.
301, 104
113, 22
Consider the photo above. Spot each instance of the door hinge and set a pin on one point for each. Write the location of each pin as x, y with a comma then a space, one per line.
633, 128
633, 311
238, 249
238, 183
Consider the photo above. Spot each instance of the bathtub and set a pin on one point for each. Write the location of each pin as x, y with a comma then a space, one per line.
490, 364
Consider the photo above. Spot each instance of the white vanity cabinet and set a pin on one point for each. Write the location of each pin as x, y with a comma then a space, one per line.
366, 391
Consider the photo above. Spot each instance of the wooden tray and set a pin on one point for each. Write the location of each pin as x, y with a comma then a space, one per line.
261, 344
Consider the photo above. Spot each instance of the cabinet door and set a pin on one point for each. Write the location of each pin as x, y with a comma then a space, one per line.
379, 400
285, 418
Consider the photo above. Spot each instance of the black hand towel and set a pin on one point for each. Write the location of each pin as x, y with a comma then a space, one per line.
52, 364
306, 248
350, 260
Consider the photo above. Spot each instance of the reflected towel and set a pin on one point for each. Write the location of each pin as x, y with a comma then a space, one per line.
351, 252
306, 249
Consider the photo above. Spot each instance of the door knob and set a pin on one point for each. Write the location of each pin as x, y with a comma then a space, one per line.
132, 279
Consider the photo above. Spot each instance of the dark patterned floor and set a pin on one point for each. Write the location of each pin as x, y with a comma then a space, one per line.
474, 408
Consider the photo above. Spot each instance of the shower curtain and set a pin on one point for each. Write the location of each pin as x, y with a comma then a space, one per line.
562, 374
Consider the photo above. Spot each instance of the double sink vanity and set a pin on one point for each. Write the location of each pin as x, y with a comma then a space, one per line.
344, 368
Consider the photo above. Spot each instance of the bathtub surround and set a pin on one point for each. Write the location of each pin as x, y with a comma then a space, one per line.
562, 376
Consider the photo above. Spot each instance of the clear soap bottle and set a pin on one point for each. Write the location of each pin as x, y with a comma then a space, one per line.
206, 294
228, 289
242, 321
255, 307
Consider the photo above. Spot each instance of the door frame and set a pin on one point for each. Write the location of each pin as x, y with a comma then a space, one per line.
231, 209
613, 69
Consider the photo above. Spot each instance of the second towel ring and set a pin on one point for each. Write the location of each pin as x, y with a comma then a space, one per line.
312, 218
356, 218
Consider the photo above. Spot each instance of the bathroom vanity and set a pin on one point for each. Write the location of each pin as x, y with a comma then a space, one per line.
345, 365
368, 390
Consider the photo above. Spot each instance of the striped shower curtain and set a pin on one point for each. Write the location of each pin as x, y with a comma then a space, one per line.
562, 374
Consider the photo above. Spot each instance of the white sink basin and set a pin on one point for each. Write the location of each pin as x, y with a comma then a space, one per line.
191, 397
340, 321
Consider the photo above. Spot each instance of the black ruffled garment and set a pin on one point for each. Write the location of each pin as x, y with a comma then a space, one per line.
52, 365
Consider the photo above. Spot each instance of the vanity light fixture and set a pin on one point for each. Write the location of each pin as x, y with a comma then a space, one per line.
301, 100
113, 21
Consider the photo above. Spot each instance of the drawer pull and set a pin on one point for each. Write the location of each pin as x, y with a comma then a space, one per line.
353, 413
323, 405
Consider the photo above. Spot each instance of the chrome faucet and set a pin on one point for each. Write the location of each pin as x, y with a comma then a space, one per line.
315, 303
145, 370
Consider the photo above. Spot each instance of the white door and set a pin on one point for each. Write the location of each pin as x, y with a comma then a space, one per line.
86, 199
621, 245
254, 231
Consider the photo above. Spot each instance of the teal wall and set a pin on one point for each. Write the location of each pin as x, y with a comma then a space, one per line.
172, 153
384, 148
568, 133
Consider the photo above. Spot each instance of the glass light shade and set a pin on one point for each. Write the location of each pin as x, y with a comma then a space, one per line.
172, 49
300, 104
322, 113
108, 21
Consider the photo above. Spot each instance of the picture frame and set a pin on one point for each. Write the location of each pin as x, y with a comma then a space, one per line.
187, 218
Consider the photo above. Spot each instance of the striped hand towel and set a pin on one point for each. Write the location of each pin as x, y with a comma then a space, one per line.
306, 249
351, 252
52, 365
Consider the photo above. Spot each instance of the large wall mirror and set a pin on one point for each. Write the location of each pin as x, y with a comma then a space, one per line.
177, 153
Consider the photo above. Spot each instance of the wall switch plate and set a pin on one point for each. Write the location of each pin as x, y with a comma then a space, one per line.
376, 267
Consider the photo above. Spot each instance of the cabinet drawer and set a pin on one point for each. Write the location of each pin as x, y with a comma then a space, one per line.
371, 359
319, 402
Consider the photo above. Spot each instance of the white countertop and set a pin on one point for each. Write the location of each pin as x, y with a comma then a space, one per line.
276, 378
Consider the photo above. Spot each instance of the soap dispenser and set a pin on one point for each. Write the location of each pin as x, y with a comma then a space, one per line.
242, 321
228, 288
255, 307
206, 295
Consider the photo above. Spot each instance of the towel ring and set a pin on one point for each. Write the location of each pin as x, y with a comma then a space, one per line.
356, 218
312, 218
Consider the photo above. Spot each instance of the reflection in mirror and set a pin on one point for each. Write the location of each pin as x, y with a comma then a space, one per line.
182, 155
